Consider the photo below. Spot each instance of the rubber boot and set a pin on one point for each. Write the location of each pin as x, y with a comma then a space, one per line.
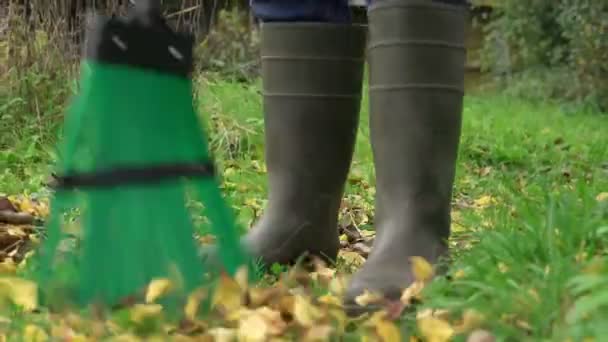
417, 60
312, 78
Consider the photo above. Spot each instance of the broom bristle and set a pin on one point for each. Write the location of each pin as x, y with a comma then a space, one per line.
134, 233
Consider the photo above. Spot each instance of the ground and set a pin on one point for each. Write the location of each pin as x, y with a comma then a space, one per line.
529, 243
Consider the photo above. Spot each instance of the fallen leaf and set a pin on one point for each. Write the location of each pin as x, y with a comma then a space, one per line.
253, 329
20, 292
422, 269
34, 333
223, 334
602, 197
142, 312
193, 303
228, 295
275, 323
471, 319
459, 274
337, 285
385, 329
484, 202
368, 297
318, 333
125, 338
481, 336
434, 329
352, 259
412, 292
8, 266
304, 312
158, 288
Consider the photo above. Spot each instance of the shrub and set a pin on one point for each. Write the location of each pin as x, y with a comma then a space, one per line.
569, 37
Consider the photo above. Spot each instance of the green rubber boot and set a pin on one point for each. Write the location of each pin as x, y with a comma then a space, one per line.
312, 77
417, 60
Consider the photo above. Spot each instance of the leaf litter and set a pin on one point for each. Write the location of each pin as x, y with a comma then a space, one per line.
290, 308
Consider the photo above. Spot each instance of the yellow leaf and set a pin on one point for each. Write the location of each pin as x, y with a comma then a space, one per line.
20, 292
304, 312
8, 266
158, 288
253, 329
481, 336
351, 258
368, 297
484, 201
471, 319
422, 269
318, 333
223, 334
125, 338
388, 331
141, 312
274, 320
502, 267
241, 277
16, 231
330, 300
459, 274
602, 197
412, 292
33, 333
228, 295
337, 285
193, 303
434, 329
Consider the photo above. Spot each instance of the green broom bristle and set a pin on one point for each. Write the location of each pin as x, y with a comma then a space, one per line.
129, 117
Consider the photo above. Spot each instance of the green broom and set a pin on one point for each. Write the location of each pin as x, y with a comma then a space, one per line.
132, 149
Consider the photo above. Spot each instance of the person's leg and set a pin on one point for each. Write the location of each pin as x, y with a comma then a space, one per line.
329, 11
416, 57
312, 71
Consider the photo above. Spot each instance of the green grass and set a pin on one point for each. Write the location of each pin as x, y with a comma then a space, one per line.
530, 242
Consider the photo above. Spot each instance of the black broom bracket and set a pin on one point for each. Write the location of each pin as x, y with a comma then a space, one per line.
143, 39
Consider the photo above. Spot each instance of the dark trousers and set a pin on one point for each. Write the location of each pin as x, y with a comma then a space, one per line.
311, 10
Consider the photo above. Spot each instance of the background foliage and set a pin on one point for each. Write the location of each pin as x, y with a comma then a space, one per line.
564, 43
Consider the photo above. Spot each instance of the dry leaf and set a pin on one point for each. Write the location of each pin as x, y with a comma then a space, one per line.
434, 329
471, 319
276, 325
337, 285
481, 336
602, 197
459, 274
368, 297
193, 303
351, 258
318, 333
259, 296
484, 202
20, 292
304, 312
141, 312
33, 333
223, 334
422, 269
158, 288
8, 266
384, 329
253, 329
412, 292
228, 295
125, 338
